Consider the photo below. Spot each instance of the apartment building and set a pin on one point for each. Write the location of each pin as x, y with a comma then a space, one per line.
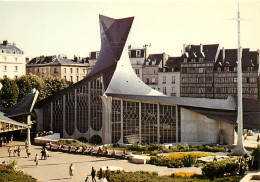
12, 61
72, 70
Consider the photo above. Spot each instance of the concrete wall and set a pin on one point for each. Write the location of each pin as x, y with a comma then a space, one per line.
197, 128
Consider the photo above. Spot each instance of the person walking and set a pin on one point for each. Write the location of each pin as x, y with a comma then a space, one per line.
108, 172
93, 174
28, 152
42, 154
71, 169
36, 160
9, 151
100, 174
15, 151
87, 180
18, 151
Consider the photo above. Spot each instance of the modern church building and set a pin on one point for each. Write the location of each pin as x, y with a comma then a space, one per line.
112, 105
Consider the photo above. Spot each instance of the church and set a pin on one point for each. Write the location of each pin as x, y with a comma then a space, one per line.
112, 105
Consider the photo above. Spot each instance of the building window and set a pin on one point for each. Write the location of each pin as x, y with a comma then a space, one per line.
235, 69
77, 78
70, 70
55, 70
147, 80
5, 68
71, 78
218, 68
173, 79
137, 72
226, 68
15, 59
185, 60
201, 70
235, 79
16, 77
153, 80
65, 78
64, 70
138, 53
5, 76
77, 71
164, 79
16, 68
164, 90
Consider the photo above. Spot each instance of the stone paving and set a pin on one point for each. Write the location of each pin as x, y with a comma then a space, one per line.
56, 167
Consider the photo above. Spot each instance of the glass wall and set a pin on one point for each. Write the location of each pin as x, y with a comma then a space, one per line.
96, 104
130, 122
58, 116
167, 124
149, 123
47, 117
70, 113
82, 108
116, 120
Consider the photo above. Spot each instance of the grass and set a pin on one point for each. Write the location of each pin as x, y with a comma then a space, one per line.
141, 176
9, 175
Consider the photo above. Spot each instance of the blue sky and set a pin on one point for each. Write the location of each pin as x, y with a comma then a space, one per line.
72, 28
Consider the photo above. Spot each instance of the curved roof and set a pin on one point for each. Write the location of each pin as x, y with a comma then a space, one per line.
10, 49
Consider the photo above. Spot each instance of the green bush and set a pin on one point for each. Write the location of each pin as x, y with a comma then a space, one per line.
175, 163
218, 169
14, 176
189, 160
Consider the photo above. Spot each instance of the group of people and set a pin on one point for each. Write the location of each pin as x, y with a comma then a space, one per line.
15, 150
102, 176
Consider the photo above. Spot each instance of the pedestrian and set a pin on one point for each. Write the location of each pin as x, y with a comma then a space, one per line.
26, 144
36, 160
108, 172
18, 151
87, 180
93, 174
28, 152
71, 169
42, 154
45, 153
15, 151
100, 174
258, 138
9, 151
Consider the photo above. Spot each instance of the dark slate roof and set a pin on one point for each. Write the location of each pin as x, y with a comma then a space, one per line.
173, 62
53, 60
9, 120
24, 107
10, 49
209, 51
109, 54
230, 58
154, 57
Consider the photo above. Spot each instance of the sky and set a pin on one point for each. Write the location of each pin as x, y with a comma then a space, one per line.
72, 27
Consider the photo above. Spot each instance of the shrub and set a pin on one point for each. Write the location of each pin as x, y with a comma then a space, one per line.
175, 163
218, 169
11, 175
184, 174
189, 160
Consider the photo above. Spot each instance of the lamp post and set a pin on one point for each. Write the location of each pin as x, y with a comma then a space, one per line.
239, 150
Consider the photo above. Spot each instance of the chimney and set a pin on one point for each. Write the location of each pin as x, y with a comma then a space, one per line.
258, 56
223, 54
5, 42
184, 47
201, 47
146, 51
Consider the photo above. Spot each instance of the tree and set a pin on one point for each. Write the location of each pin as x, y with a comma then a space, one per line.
53, 85
26, 83
9, 93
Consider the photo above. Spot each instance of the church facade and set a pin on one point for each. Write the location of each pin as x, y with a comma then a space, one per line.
113, 105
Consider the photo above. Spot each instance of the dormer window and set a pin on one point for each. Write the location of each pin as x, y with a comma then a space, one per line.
163, 69
235, 69
172, 69
250, 68
147, 63
97, 54
138, 53
153, 62
218, 68
200, 59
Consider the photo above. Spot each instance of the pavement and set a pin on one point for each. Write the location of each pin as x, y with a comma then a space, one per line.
56, 167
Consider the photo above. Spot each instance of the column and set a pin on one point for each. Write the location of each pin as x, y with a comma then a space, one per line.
28, 129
